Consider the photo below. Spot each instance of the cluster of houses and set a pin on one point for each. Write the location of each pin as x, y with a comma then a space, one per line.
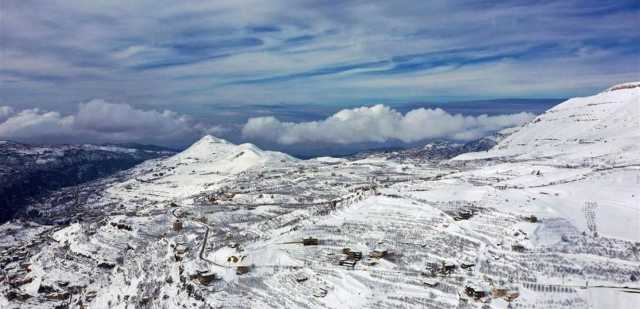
121, 225
15, 272
219, 196
443, 269
17, 275
318, 291
463, 214
474, 289
482, 292
204, 276
349, 258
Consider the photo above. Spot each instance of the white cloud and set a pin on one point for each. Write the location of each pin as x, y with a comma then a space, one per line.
129, 51
380, 123
5, 112
98, 121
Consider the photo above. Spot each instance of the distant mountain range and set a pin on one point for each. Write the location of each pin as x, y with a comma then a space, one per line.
436, 150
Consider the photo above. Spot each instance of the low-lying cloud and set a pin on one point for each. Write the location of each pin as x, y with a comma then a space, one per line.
380, 124
98, 121
5, 113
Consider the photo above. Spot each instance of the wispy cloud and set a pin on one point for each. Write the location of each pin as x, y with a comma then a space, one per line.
196, 53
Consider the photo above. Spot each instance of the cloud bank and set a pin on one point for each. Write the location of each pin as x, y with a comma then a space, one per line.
99, 121
380, 124
5, 112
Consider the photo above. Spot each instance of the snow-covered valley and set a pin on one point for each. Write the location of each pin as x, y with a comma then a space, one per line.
548, 218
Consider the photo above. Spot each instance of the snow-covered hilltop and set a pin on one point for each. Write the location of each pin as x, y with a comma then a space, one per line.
216, 154
548, 218
196, 169
600, 129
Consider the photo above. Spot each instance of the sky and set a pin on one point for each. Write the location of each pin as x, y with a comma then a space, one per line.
166, 72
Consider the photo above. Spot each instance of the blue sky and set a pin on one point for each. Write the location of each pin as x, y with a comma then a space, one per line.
196, 56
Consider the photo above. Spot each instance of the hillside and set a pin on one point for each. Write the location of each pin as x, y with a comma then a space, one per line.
206, 162
29, 171
547, 218
598, 130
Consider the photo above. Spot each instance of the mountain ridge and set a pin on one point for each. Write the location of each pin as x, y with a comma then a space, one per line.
603, 127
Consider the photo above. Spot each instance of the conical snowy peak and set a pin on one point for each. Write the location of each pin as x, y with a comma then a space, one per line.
207, 161
207, 147
210, 139
228, 157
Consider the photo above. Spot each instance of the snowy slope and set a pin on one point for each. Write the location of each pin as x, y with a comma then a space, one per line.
27, 171
215, 154
206, 163
566, 158
603, 129
549, 218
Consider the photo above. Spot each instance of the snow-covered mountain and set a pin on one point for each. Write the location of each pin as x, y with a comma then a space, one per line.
205, 163
600, 129
547, 218
213, 154
434, 151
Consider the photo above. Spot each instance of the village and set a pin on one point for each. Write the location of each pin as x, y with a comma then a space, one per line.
311, 235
